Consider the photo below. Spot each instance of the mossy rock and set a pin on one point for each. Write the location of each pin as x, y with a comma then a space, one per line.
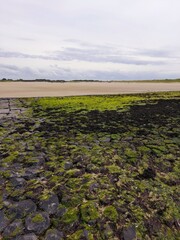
107, 232
113, 169
73, 173
38, 218
110, 213
89, 212
13, 230
130, 153
37, 222
73, 201
71, 216
105, 196
81, 234
74, 183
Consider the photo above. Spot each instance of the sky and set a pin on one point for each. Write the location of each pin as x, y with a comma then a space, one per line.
90, 39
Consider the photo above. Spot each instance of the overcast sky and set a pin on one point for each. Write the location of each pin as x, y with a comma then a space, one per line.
90, 39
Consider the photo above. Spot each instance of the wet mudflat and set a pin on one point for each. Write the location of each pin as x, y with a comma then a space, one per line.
90, 172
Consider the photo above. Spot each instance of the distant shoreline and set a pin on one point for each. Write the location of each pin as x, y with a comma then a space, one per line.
46, 89
109, 81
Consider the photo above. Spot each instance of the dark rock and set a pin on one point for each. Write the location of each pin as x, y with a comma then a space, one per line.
22, 209
37, 222
129, 233
148, 173
14, 229
3, 221
77, 159
68, 165
91, 168
30, 173
59, 192
2, 181
53, 234
103, 170
128, 139
50, 205
153, 226
85, 234
108, 231
41, 159
177, 224
7, 203
107, 139
37, 146
18, 182
93, 187
61, 211
30, 236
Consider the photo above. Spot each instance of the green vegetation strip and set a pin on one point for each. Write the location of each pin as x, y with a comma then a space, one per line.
101, 103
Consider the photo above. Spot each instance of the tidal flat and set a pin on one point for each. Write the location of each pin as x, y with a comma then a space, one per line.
90, 167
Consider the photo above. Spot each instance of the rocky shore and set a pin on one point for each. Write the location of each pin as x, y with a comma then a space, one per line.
89, 174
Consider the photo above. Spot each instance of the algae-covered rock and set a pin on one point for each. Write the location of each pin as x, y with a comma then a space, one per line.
111, 213
53, 234
3, 220
129, 233
30, 236
89, 212
108, 232
14, 229
37, 222
50, 204
68, 165
60, 211
18, 182
73, 173
105, 196
22, 209
81, 234
148, 173
114, 169
71, 216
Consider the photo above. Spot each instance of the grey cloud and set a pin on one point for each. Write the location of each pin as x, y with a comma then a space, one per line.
89, 52
8, 54
101, 55
4, 54
110, 48
14, 72
156, 53
68, 74
8, 67
58, 73
27, 73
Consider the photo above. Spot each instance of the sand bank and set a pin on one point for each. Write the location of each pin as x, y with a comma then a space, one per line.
44, 89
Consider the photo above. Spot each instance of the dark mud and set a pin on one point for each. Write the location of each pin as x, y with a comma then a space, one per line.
90, 174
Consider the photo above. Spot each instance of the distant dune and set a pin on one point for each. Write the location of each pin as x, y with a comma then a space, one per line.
47, 89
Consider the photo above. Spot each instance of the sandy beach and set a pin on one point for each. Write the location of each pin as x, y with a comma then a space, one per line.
44, 89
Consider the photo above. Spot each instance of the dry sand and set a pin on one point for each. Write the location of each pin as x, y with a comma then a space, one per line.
44, 89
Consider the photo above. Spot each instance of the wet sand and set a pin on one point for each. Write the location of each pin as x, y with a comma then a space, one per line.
44, 89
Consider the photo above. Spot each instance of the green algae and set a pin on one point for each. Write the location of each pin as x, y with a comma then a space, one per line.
89, 212
80, 234
101, 103
38, 218
70, 216
114, 169
111, 213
